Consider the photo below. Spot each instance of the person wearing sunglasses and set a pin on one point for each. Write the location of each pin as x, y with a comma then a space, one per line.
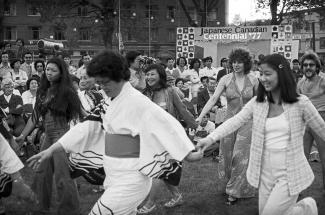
313, 86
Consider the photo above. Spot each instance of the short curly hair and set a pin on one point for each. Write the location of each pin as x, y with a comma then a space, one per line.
109, 64
310, 55
241, 55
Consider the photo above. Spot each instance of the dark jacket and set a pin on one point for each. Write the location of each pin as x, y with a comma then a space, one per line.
15, 100
221, 73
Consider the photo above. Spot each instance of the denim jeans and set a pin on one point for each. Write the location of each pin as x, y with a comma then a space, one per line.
67, 193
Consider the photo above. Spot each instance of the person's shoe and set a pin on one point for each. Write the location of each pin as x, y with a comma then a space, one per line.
231, 200
314, 157
175, 201
2, 208
145, 210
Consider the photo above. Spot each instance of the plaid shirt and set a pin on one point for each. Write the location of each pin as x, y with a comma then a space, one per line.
299, 114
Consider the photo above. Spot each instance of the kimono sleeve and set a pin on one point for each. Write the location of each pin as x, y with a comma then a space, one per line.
84, 136
9, 161
163, 131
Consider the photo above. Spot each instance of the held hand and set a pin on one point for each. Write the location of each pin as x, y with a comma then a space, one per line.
195, 156
35, 161
204, 143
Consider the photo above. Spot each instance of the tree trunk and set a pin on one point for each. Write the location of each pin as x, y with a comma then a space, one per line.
274, 12
107, 32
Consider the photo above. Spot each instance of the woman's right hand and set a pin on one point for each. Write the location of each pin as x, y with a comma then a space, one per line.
35, 161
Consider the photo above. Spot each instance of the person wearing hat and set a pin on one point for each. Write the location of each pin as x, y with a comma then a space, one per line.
19, 76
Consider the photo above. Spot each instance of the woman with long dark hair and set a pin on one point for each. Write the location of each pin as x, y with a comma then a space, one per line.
57, 103
277, 165
239, 87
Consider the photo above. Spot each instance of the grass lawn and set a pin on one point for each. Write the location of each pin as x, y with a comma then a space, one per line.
199, 187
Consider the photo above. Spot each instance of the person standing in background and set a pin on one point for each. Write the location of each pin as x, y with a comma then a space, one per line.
28, 65
313, 86
137, 78
239, 87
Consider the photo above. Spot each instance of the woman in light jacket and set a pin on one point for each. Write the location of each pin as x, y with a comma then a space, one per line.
167, 98
277, 165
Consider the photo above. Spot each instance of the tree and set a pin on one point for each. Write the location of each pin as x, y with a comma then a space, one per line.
279, 8
201, 9
103, 11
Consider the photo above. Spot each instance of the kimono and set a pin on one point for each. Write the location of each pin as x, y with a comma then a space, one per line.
9, 164
128, 180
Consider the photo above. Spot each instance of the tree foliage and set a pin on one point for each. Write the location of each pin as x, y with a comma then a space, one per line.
279, 8
55, 11
202, 8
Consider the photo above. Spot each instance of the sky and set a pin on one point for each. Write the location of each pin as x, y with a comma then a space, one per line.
246, 9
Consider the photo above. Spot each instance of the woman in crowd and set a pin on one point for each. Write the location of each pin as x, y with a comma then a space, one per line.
29, 96
39, 66
57, 103
18, 76
165, 96
181, 63
277, 165
193, 75
239, 87
134, 149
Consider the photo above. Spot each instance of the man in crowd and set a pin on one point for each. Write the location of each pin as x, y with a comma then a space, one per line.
5, 69
205, 94
298, 74
170, 69
28, 65
208, 70
313, 86
137, 78
224, 69
85, 60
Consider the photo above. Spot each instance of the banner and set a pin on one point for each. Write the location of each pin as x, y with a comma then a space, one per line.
218, 42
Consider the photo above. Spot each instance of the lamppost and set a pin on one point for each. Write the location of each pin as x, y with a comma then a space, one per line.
311, 20
149, 30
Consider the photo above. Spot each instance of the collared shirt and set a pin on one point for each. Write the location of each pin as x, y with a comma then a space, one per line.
7, 98
29, 69
209, 72
28, 98
5, 71
299, 114
314, 89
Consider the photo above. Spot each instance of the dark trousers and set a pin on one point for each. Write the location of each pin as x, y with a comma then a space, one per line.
67, 193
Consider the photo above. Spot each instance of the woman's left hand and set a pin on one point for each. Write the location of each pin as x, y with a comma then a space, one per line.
37, 159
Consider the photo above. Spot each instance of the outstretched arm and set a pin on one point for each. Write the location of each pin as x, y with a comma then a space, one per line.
212, 101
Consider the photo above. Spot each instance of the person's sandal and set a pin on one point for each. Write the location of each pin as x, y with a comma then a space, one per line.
231, 200
145, 210
176, 201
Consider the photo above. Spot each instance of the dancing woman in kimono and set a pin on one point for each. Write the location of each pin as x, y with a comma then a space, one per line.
135, 150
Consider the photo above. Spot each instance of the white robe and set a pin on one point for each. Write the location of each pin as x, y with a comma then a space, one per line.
161, 138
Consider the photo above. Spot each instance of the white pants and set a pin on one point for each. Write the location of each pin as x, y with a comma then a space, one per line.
274, 196
125, 187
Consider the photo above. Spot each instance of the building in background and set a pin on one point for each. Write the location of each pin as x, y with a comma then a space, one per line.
148, 26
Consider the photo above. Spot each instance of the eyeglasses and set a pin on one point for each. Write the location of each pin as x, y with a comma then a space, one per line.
309, 64
39, 66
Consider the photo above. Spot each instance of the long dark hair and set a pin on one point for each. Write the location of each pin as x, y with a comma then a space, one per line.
286, 81
60, 97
